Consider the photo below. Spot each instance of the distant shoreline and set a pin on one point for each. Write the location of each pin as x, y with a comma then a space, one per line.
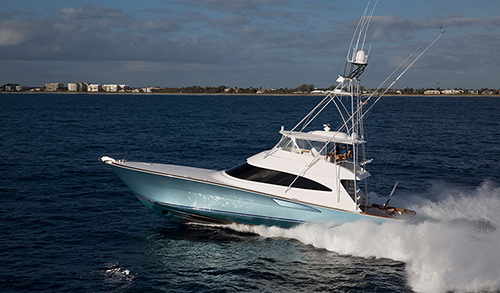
233, 94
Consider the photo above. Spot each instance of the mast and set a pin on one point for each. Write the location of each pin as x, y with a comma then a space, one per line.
350, 112
356, 62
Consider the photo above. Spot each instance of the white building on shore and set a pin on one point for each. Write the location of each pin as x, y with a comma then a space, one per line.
451, 92
94, 88
77, 86
113, 88
110, 88
123, 88
318, 92
53, 87
22, 88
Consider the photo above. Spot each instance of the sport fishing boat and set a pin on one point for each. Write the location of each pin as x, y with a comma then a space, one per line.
308, 176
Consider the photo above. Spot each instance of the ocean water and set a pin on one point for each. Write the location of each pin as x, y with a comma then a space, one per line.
68, 223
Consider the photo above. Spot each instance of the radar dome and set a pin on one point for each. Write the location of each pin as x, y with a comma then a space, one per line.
361, 57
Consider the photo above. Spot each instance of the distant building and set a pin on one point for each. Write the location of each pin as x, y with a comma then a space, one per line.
451, 92
94, 88
123, 88
73, 87
53, 87
432, 92
110, 88
21, 88
113, 88
77, 86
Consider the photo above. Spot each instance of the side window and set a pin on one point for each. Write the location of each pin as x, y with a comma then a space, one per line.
249, 172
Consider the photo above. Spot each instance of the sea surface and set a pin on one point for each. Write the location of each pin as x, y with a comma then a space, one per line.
67, 223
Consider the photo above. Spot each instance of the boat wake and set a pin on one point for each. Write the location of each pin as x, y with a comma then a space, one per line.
452, 244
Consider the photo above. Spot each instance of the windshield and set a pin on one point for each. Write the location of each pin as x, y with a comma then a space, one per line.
297, 145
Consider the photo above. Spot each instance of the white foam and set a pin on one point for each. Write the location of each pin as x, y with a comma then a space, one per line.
453, 244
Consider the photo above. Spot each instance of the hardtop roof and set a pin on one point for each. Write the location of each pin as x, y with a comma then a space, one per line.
323, 136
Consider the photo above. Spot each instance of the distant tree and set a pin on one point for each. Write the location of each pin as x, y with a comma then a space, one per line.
210, 90
485, 90
419, 91
284, 91
9, 84
305, 88
250, 90
221, 89
407, 91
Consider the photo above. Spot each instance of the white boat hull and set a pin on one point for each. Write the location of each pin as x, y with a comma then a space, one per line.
182, 198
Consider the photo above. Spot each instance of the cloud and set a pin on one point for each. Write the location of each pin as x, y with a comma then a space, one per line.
238, 5
232, 21
87, 12
18, 32
390, 26
10, 34
257, 37
92, 33
100, 33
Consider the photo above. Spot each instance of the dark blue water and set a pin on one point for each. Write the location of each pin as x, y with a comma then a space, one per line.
68, 223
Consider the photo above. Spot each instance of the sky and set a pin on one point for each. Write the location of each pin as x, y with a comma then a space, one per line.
244, 43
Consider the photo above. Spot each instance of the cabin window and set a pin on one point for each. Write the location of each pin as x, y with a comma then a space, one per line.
249, 172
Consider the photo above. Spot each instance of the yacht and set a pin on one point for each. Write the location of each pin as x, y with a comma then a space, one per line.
309, 176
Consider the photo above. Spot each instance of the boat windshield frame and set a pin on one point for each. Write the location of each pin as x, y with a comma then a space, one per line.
329, 149
316, 142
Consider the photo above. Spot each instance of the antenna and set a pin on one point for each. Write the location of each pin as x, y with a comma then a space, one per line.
357, 59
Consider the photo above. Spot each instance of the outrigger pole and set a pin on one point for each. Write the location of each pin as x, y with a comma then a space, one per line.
440, 34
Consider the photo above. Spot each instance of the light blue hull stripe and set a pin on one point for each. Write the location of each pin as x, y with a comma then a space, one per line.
179, 213
185, 199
